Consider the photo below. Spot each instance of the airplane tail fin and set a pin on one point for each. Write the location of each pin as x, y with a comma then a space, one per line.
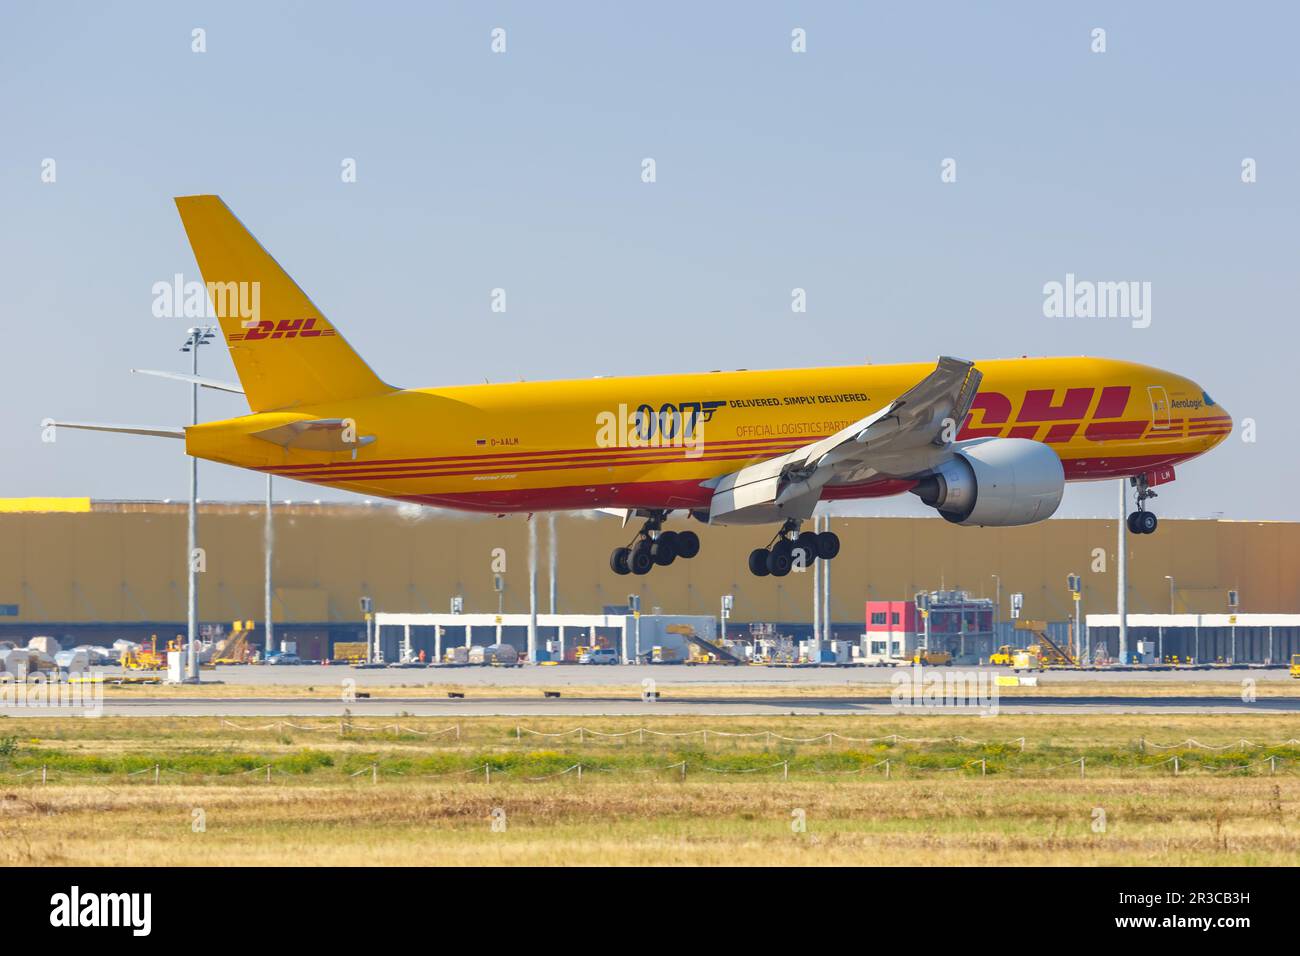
285, 352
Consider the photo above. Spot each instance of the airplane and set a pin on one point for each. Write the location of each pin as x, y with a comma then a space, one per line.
987, 443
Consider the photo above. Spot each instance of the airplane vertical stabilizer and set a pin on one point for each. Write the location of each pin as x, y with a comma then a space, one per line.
286, 354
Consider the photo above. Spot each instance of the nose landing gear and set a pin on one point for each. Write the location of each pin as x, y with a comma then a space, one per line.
653, 546
791, 548
1142, 521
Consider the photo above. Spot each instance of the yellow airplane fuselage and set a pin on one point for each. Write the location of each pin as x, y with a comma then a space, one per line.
656, 441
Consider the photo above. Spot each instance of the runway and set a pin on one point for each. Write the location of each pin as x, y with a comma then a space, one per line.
666, 676
629, 706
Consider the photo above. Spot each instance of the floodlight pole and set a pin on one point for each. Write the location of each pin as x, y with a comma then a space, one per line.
1121, 558
532, 589
269, 541
817, 588
552, 549
196, 336
997, 608
826, 590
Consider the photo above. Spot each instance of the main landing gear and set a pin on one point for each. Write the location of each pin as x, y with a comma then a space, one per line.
791, 548
1142, 521
652, 546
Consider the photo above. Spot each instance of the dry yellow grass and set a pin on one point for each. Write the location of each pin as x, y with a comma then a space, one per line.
918, 817
946, 822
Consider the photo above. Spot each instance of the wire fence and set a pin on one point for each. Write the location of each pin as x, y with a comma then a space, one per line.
344, 727
1006, 758
585, 734
888, 768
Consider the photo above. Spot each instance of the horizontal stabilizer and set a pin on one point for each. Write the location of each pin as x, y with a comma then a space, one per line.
314, 434
193, 380
156, 431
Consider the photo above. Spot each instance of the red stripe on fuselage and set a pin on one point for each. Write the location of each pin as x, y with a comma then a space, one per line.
334, 479
510, 456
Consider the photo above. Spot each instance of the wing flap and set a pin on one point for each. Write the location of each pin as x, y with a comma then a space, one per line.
904, 437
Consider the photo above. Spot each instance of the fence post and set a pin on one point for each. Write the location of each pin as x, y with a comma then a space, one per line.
785, 770
579, 772
156, 772
582, 738
43, 769
1175, 765
1142, 744
268, 773
1272, 764
1081, 770
706, 735
487, 772
640, 735
518, 733
886, 768
683, 769
983, 767
374, 773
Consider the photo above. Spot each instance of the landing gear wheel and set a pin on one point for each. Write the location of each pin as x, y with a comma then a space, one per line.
641, 562
828, 545
1142, 521
688, 544
618, 561
779, 560
664, 549
758, 562
805, 549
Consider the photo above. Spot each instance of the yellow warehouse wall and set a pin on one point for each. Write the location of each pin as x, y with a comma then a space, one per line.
125, 562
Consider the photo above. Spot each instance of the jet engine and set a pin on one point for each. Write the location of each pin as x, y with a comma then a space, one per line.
995, 481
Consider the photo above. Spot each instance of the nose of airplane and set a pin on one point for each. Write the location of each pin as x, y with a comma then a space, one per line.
1214, 420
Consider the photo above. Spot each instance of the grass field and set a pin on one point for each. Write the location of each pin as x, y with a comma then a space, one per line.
121, 791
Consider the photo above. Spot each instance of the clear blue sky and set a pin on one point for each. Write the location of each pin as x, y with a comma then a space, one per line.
775, 170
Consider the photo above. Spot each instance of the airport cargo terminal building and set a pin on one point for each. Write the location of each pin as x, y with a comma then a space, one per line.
94, 571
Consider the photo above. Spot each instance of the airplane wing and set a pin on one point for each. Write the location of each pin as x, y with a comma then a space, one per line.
906, 437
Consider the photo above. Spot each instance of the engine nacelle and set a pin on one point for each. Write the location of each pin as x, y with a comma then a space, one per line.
996, 481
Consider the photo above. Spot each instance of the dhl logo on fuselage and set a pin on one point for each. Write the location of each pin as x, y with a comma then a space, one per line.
284, 329
1038, 409
1044, 419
